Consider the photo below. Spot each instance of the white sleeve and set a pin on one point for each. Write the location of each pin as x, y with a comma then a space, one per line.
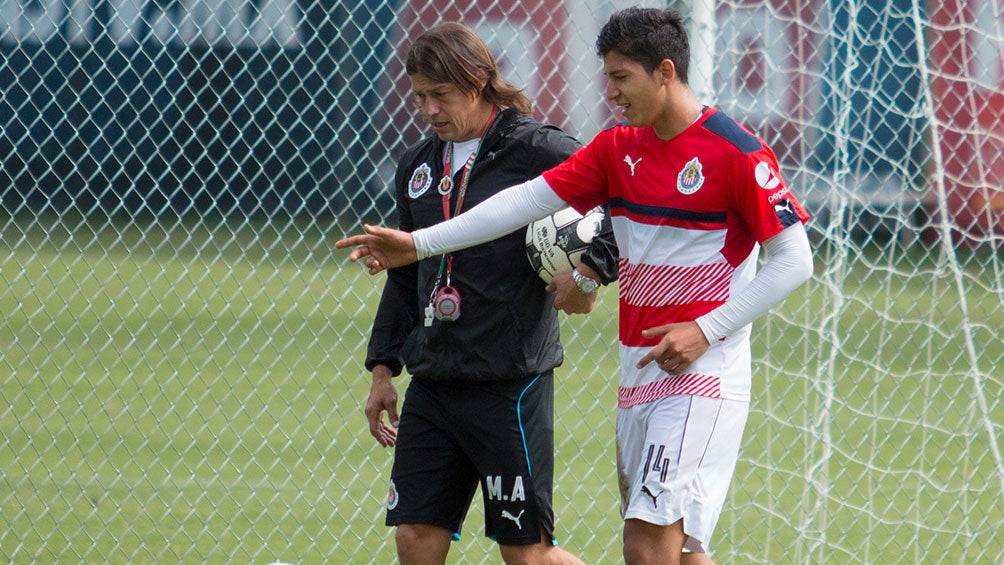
789, 264
502, 213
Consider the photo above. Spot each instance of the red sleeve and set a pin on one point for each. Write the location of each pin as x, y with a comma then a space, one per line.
581, 180
763, 197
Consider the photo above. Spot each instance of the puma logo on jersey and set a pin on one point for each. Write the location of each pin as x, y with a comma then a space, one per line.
785, 211
632, 164
508, 516
784, 207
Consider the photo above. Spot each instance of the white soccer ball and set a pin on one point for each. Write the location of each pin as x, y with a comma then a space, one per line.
555, 244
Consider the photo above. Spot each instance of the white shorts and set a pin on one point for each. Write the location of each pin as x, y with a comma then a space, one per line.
675, 459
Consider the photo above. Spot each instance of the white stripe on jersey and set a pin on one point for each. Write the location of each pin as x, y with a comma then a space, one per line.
657, 285
667, 245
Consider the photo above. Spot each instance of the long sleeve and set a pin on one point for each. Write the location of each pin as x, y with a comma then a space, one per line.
789, 264
395, 317
499, 215
397, 312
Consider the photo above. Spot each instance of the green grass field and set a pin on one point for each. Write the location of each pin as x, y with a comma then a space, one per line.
192, 392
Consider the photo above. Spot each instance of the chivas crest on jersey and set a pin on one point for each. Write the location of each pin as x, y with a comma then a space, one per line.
690, 178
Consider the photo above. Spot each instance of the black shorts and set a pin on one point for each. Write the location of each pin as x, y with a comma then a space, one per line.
454, 436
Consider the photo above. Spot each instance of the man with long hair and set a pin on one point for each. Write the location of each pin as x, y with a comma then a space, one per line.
476, 329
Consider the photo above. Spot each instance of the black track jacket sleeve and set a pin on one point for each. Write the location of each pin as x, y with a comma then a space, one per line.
398, 309
603, 254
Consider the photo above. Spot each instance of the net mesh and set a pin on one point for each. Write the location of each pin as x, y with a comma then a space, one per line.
181, 348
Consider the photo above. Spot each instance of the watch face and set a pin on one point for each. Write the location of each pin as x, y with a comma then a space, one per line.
585, 284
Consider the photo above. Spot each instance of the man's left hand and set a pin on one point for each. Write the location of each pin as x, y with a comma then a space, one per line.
681, 344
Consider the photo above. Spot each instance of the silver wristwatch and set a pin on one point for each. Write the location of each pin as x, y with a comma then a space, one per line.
585, 284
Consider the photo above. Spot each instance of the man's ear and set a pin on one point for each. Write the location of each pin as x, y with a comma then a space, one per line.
667, 70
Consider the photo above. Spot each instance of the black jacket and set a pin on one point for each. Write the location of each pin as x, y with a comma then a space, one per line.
508, 327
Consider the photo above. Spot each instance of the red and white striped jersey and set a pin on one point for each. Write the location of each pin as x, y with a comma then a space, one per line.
689, 215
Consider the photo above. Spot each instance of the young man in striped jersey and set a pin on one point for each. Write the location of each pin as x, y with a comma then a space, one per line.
692, 195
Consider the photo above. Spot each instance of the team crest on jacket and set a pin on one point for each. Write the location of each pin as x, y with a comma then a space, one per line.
421, 180
690, 178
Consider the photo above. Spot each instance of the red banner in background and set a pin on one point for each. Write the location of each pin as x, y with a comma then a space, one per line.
967, 83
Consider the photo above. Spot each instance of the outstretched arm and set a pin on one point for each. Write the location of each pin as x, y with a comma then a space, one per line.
383, 248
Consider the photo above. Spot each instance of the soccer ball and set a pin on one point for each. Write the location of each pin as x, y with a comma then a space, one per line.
555, 244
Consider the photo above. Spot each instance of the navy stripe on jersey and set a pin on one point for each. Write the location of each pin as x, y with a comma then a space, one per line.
665, 212
726, 128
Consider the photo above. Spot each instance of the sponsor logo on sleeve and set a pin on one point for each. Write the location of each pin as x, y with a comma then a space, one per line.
786, 213
766, 177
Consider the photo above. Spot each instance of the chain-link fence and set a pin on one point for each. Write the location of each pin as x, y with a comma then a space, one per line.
181, 348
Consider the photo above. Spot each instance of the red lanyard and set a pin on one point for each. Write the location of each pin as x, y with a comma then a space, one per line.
446, 187
446, 183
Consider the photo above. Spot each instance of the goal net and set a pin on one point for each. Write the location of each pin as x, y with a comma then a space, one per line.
181, 348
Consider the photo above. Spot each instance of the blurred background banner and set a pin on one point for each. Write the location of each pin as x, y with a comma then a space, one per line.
181, 348
174, 106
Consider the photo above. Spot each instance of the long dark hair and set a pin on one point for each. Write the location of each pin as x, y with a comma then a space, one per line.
453, 53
